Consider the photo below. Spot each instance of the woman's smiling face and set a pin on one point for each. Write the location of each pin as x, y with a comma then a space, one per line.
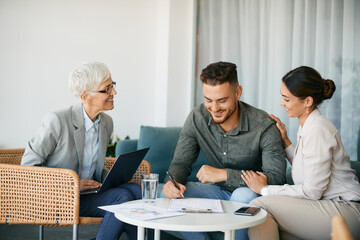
294, 106
100, 100
105, 101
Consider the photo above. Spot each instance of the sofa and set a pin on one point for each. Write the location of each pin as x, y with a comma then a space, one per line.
162, 142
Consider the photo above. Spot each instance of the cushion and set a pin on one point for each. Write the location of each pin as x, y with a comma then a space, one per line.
356, 166
162, 142
289, 177
125, 146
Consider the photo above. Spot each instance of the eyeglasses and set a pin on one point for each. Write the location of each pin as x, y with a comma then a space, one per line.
107, 90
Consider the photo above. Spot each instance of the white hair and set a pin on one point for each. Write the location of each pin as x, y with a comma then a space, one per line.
88, 76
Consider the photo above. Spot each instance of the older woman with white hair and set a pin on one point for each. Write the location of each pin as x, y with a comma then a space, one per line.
77, 137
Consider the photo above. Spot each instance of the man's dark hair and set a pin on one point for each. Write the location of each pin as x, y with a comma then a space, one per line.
219, 73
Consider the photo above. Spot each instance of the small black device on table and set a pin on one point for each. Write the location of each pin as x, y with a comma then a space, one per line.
247, 211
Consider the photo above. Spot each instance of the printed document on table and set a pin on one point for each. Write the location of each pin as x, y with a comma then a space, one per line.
176, 205
140, 211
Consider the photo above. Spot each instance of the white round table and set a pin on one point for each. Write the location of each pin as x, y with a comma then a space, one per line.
226, 222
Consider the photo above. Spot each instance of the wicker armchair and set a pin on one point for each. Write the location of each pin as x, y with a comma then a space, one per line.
44, 196
11, 156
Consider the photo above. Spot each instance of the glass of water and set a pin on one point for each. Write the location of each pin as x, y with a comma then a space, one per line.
149, 187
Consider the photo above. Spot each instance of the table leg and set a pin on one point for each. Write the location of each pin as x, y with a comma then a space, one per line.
156, 234
140, 233
229, 235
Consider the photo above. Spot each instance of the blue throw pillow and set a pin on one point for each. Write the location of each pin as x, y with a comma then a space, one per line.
125, 146
162, 142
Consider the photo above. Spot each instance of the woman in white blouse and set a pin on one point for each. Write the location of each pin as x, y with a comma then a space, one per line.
324, 183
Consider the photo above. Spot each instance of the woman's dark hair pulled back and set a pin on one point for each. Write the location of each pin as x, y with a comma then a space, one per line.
305, 81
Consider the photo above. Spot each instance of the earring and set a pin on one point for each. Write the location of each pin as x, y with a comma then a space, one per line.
307, 110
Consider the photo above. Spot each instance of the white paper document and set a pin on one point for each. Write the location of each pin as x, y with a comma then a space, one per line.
140, 211
195, 204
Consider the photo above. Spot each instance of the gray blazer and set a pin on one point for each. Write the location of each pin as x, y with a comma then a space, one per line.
60, 141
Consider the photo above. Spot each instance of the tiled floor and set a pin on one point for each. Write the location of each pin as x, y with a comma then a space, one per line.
31, 232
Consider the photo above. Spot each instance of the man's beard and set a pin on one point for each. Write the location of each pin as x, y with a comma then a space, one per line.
221, 121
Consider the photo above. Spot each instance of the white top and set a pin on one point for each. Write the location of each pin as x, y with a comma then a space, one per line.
320, 166
198, 222
91, 147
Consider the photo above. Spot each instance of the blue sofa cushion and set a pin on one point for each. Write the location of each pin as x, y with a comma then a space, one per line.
356, 166
162, 142
125, 146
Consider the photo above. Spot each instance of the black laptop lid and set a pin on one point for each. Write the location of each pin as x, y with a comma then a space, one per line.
123, 169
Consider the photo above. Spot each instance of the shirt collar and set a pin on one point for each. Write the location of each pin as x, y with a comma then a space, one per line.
311, 118
243, 125
89, 123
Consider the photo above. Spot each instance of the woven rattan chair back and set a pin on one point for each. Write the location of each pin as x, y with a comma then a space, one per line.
44, 196
38, 195
11, 156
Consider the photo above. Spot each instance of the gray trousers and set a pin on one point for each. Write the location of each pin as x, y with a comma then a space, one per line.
295, 218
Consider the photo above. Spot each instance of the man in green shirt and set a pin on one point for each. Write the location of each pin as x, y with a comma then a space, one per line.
233, 136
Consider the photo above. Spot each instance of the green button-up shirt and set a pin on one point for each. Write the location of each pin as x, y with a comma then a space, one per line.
255, 144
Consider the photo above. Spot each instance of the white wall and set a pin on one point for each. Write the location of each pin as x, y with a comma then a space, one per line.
147, 45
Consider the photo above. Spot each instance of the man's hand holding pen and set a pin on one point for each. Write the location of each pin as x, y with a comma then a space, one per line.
173, 189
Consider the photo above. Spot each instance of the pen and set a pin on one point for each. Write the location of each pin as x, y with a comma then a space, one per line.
172, 180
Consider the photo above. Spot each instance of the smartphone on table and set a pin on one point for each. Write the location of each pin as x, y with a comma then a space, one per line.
247, 211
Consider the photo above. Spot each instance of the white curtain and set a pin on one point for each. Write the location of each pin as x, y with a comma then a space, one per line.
268, 38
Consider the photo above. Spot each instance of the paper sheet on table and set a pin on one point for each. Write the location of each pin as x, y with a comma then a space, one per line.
140, 211
195, 204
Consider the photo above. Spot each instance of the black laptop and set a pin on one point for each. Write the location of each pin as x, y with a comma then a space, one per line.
121, 172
